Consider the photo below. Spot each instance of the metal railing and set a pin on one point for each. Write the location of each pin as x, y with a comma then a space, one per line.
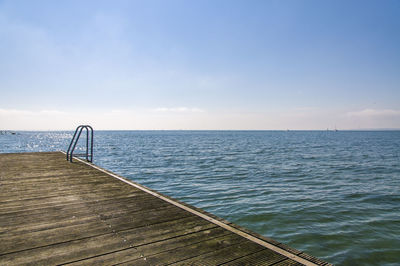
89, 143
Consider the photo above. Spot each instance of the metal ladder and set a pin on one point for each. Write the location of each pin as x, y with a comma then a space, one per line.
89, 153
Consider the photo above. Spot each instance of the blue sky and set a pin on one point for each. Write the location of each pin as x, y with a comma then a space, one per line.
200, 64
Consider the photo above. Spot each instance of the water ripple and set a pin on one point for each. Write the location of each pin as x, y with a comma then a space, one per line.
335, 195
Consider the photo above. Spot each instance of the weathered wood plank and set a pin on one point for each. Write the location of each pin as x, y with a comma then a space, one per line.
137, 200
227, 254
61, 206
262, 257
65, 251
12, 227
288, 262
122, 219
189, 250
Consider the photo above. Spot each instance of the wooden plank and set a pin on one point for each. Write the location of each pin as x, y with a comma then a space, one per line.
29, 223
288, 262
65, 251
226, 254
108, 244
62, 205
127, 202
149, 235
150, 251
182, 249
262, 257
20, 206
123, 220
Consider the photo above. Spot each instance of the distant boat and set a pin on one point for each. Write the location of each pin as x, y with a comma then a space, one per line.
6, 132
336, 130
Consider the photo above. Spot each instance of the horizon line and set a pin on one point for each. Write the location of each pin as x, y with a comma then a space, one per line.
286, 130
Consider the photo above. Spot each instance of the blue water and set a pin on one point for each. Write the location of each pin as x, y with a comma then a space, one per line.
334, 195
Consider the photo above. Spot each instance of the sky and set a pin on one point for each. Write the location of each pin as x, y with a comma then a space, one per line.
200, 65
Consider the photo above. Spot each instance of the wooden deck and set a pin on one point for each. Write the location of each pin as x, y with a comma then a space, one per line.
56, 212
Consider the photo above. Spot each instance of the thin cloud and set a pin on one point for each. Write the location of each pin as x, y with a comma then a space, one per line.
18, 119
306, 108
178, 110
374, 113
6, 112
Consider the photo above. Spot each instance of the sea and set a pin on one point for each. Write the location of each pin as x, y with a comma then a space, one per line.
332, 194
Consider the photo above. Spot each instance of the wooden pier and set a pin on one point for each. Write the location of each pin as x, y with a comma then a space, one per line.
56, 212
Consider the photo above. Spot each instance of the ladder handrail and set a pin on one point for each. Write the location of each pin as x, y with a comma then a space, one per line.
74, 141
